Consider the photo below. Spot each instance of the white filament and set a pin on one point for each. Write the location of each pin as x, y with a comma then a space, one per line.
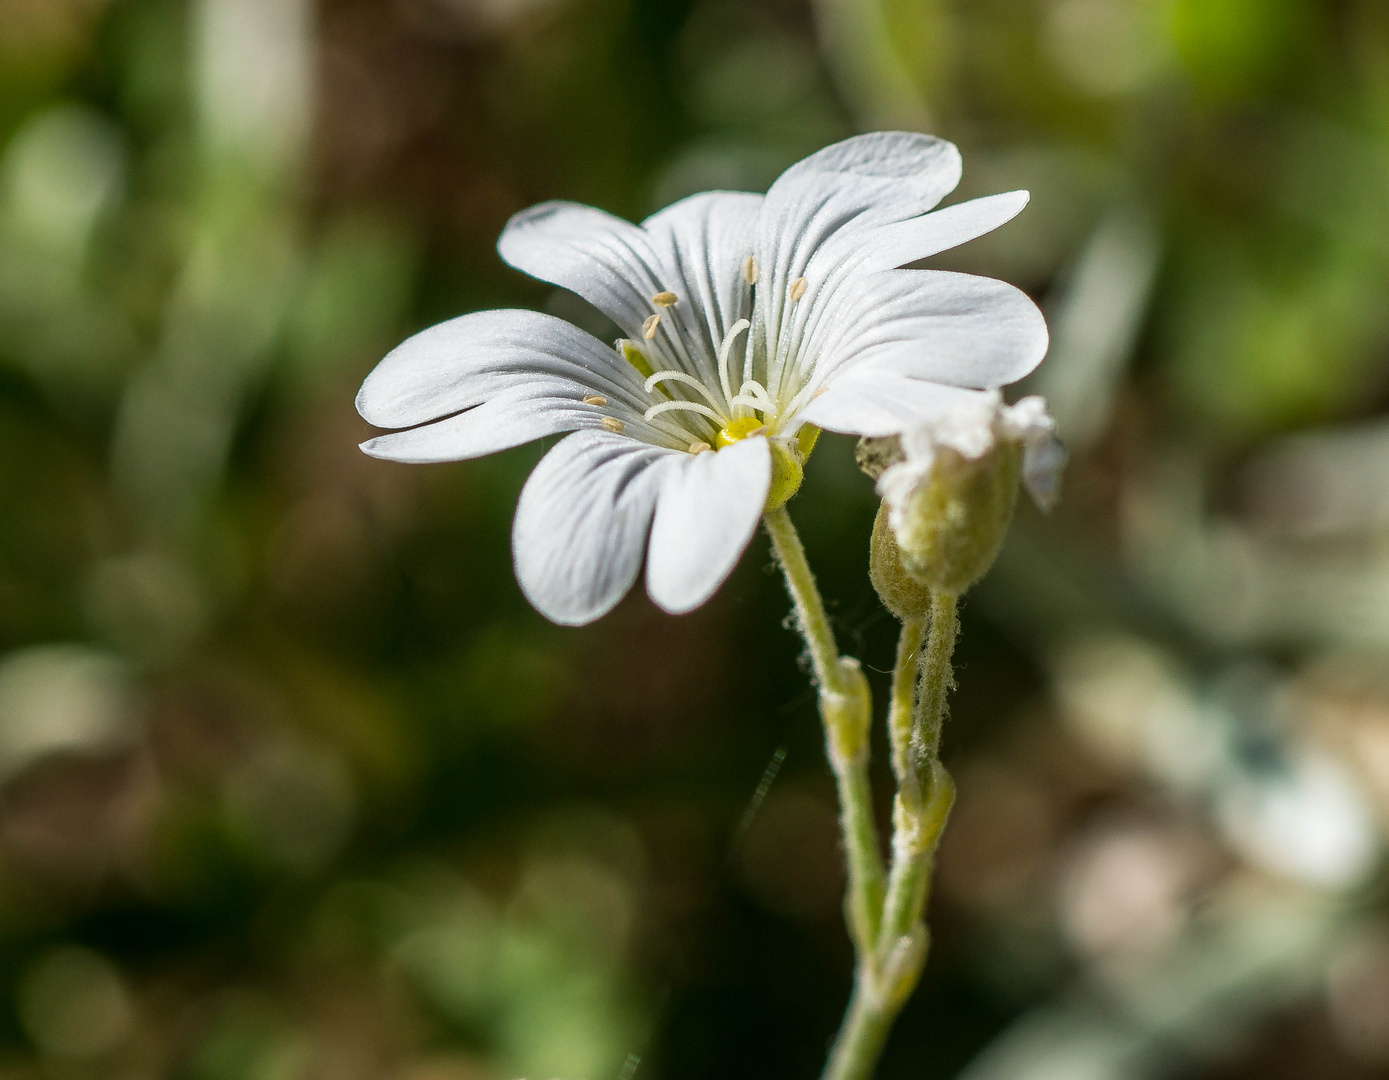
725, 348
687, 406
681, 377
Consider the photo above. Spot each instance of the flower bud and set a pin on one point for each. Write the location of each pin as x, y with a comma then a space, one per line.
952, 485
953, 524
900, 593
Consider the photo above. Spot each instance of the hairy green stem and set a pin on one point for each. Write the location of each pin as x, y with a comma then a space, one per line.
811, 618
862, 1036
887, 976
937, 680
901, 717
846, 709
884, 911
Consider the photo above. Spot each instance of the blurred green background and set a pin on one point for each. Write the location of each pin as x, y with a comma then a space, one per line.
293, 784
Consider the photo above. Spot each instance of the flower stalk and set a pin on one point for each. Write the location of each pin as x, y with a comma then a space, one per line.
884, 910
887, 976
846, 711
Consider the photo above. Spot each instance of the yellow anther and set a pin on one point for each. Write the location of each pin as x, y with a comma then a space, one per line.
648, 328
750, 270
736, 430
819, 391
664, 299
699, 446
595, 399
612, 423
797, 289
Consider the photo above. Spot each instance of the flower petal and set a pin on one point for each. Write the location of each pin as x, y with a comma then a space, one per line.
870, 404
708, 510
512, 417
582, 522
460, 363
860, 183
700, 244
930, 324
890, 246
817, 214
604, 259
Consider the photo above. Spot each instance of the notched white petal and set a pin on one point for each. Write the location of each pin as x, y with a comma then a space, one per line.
604, 259
891, 246
953, 328
582, 522
708, 509
462, 362
833, 197
878, 405
509, 418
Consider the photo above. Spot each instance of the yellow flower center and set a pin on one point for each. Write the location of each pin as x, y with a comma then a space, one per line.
739, 429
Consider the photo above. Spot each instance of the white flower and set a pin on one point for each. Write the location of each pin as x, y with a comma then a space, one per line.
972, 429
746, 317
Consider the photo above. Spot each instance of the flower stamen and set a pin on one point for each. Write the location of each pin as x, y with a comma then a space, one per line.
749, 401
699, 446
752, 386
665, 299
613, 424
753, 395
726, 348
798, 288
595, 399
687, 406
680, 377
648, 328
750, 270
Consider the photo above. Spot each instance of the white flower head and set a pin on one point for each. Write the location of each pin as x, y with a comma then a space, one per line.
972, 430
749, 322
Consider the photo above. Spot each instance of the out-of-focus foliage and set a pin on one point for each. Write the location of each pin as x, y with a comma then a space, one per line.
294, 785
